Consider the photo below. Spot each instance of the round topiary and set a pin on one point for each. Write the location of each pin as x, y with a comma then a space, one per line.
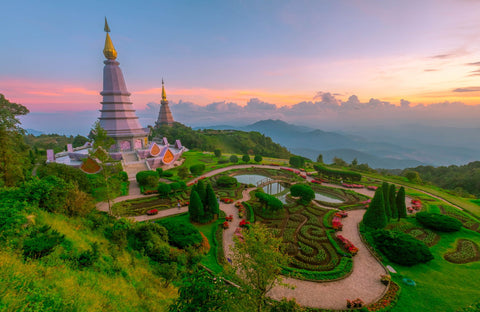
401, 248
438, 222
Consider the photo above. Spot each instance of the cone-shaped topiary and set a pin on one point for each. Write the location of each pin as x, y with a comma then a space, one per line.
391, 199
212, 202
195, 207
400, 203
375, 216
388, 211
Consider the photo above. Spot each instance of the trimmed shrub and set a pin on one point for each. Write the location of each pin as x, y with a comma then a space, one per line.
400, 203
167, 174
438, 222
181, 234
303, 191
269, 201
258, 158
197, 169
337, 174
195, 207
164, 189
142, 177
123, 176
159, 171
246, 158
233, 159
226, 181
375, 216
401, 248
217, 152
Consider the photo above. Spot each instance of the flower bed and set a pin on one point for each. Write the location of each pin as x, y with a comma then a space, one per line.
388, 300
226, 200
152, 212
348, 245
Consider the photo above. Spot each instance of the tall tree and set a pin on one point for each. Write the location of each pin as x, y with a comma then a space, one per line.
259, 259
200, 188
13, 156
386, 190
375, 216
391, 200
195, 207
101, 145
212, 202
400, 203
320, 158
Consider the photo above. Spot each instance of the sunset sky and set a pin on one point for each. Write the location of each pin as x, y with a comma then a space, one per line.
280, 52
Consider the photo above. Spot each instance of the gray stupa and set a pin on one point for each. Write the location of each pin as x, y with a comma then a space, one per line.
164, 115
118, 116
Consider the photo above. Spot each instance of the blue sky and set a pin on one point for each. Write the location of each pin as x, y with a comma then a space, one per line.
279, 52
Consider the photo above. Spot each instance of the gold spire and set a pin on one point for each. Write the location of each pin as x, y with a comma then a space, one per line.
164, 95
109, 50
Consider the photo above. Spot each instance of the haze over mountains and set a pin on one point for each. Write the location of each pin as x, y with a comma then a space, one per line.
381, 148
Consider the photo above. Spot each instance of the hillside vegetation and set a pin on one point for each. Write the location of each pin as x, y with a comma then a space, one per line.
460, 179
228, 141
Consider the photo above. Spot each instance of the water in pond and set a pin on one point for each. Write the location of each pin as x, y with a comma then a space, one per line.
249, 178
328, 198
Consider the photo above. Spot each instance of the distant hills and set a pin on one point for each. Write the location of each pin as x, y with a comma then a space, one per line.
378, 153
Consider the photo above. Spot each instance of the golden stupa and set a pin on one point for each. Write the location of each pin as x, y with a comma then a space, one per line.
109, 50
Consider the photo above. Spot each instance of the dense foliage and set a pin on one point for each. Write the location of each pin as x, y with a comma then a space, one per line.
303, 191
337, 174
400, 203
147, 178
460, 179
401, 248
203, 206
438, 222
197, 169
181, 234
269, 201
228, 141
226, 181
375, 216
67, 173
13, 150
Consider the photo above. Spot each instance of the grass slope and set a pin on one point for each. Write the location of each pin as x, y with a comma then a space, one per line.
120, 280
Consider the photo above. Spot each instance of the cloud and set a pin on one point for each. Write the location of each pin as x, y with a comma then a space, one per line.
430, 70
443, 56
475, 73
467, 89
473, 64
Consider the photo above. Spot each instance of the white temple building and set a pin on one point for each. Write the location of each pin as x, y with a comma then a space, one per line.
118, 118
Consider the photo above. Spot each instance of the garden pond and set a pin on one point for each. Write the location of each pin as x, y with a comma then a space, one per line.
279, 189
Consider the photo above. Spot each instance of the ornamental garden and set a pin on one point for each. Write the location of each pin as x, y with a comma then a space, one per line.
429, 244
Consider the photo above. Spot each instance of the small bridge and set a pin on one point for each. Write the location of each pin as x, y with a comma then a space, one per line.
268, 181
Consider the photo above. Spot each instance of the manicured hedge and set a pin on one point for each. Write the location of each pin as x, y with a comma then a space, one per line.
181, 234
401, 248
226, 181
438, 222
338, 174
249, 211
343, 268
142, 176
197, 169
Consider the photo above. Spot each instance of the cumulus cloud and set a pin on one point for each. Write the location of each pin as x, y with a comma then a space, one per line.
327, 112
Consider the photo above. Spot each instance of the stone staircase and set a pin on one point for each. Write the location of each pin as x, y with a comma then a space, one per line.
132, 165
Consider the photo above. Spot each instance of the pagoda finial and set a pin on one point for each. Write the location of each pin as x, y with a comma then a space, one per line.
109, 50
164, 95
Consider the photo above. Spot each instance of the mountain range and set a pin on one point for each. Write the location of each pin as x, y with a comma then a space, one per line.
392, 154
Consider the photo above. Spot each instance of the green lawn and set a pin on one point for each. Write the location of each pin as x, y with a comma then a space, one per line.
441, 285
